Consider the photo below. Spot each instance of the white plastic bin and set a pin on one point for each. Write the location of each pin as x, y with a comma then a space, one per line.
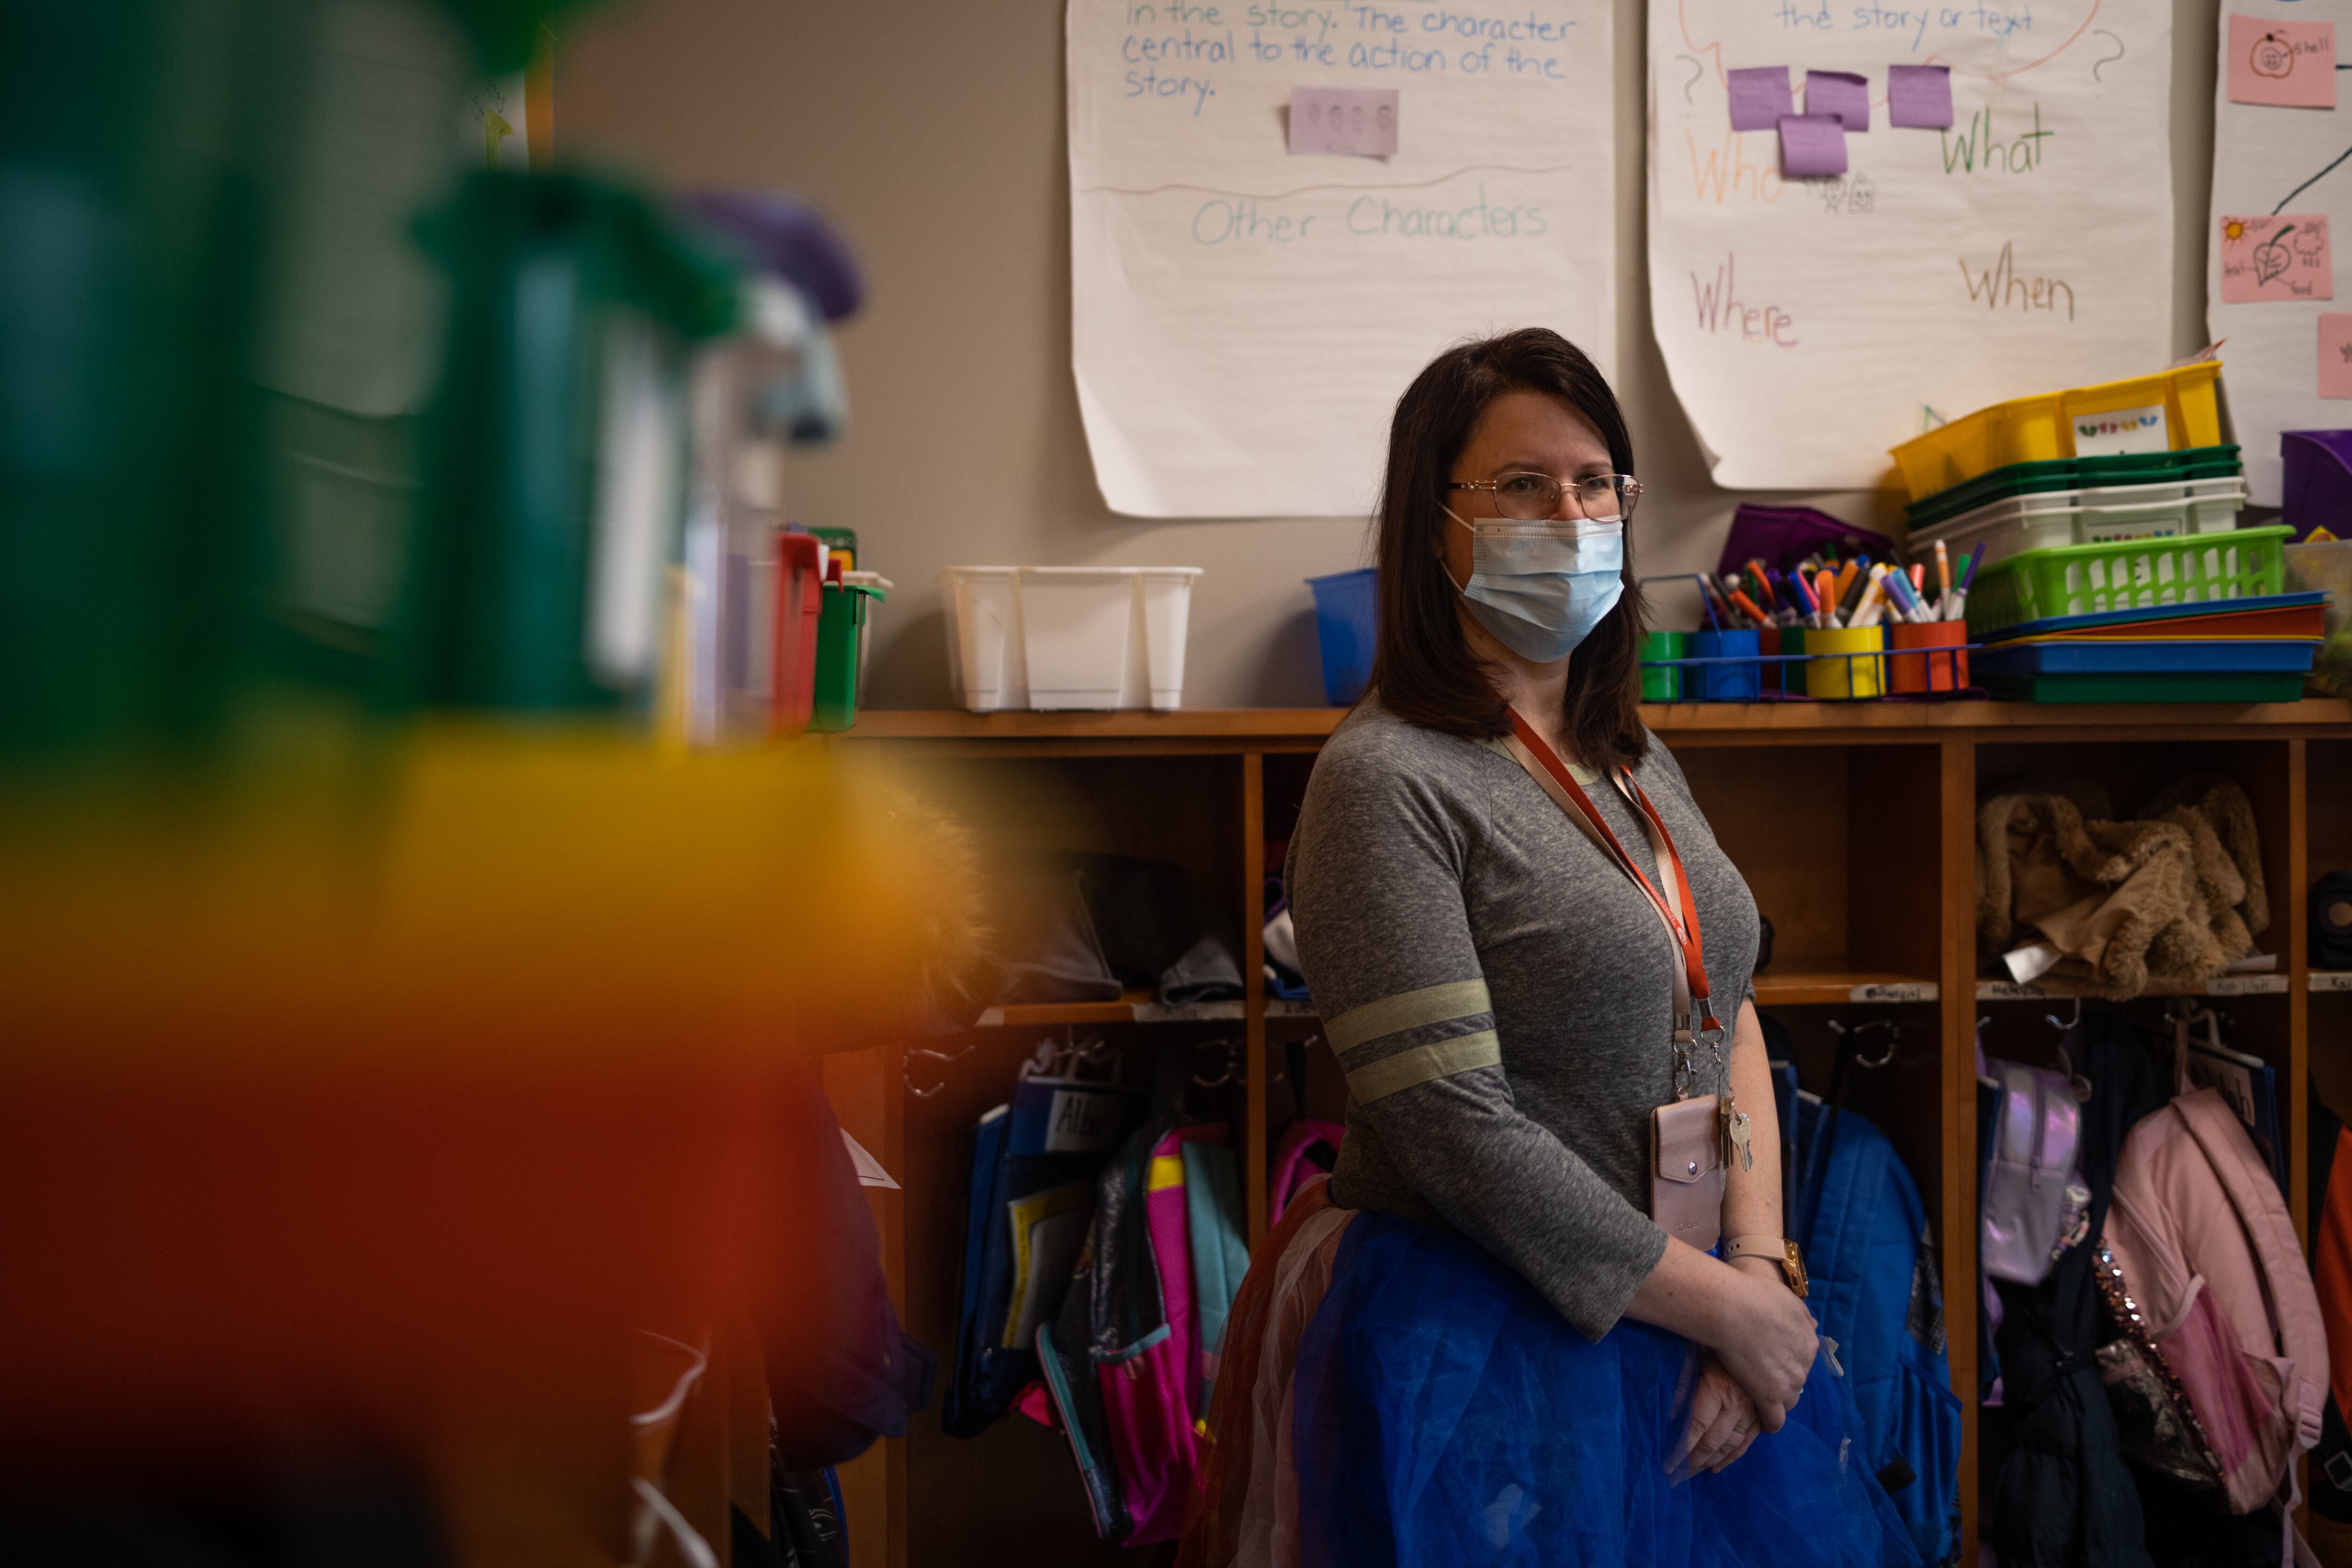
2103, 514
1067, 637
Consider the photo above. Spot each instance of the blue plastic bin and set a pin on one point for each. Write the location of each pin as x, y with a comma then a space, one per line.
1347, 613
1742, 682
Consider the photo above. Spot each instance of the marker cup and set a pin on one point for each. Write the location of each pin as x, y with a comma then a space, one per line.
1837, 679
1920, 672
1663, 683
1726, 682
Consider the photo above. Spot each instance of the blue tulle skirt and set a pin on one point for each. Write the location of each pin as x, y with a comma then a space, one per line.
1446, 1414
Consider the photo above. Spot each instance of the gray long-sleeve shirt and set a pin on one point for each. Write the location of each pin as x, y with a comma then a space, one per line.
1500, 994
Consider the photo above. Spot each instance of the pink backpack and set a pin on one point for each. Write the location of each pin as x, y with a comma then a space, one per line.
1295, 1167
2221, 1373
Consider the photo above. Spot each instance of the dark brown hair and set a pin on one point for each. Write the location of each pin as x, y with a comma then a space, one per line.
1424, 669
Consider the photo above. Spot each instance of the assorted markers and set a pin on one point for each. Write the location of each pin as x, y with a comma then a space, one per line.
1823, 594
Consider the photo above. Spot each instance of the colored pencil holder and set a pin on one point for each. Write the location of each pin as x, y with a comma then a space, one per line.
1918, 672
1834, 678
1662, 683
1740, 682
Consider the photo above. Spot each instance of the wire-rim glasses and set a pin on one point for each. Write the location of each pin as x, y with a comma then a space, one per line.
1526, 495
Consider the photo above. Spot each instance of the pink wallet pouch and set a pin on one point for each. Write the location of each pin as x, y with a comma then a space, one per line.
1687, 1170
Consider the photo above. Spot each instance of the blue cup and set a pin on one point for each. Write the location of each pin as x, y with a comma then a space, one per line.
1742, 682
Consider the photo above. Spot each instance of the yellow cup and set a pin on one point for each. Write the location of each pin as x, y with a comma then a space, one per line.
1835, 679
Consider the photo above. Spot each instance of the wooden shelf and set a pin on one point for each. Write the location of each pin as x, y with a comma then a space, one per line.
1134, 1007
2272, 984
1230, 730
1795, 982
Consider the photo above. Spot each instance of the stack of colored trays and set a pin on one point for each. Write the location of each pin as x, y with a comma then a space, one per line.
2019, 479
2083, 500
2252, 649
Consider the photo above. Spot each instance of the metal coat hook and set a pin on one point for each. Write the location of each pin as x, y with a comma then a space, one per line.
1226, 1074
2067, 1028
1853, 1037
940, 1060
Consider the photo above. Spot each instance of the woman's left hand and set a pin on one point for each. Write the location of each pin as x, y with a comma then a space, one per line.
1723, 1421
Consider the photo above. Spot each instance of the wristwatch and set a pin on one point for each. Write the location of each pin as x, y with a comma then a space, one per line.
1779, 1248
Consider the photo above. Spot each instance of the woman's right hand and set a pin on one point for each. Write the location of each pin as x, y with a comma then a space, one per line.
1766, 1341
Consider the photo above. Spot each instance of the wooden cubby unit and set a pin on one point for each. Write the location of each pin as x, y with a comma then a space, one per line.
1855, 826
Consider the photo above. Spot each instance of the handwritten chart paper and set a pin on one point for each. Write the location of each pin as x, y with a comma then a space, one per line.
2281, 183
2022, 247
1244, 316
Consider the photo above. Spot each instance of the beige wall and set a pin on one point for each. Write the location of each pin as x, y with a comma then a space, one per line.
932, 131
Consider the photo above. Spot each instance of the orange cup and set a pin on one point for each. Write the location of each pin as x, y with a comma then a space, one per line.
1915, 672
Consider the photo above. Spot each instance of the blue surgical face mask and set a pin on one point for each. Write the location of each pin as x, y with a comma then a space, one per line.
1541, 587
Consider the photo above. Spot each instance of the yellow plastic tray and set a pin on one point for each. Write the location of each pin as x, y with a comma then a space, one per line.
2041, 429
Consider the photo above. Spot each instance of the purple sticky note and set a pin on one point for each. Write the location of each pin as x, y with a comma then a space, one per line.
1812, 145
1841, 93
1360, 120
1920, 96
1759, 95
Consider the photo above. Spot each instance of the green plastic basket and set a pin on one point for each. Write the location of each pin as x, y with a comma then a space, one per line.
2131, 574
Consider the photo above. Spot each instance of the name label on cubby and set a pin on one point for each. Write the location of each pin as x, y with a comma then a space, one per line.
2331, 980
1894, 991
2246, 985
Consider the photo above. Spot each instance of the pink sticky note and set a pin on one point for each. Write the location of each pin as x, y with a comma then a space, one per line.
1759, 95
1359, 121
1919, 95
2280, 257
2291, 64
1841, 93
1812, 145
2335, 354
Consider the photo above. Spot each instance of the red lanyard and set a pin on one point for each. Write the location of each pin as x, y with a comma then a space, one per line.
1682, 925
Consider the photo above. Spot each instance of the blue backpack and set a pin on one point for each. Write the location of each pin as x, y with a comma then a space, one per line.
1875, 1291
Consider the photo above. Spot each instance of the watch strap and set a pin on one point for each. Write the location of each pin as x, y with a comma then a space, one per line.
1778, 1249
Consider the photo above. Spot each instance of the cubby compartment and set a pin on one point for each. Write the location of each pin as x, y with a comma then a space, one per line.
1839, 846
1855, 827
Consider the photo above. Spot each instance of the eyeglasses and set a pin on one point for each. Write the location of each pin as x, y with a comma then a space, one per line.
1528, 497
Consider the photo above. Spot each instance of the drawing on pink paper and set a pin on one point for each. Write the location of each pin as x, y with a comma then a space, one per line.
2335, 354
2282, 258
2289, 65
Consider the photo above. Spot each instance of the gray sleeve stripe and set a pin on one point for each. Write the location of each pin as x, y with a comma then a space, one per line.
1464, 1054
1410, 1010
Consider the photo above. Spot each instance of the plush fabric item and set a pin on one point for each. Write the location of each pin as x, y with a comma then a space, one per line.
2172, 897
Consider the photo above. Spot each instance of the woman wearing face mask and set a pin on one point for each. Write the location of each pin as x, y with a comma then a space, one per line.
1505, 1330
